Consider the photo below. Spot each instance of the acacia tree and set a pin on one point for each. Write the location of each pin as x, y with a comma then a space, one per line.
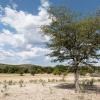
73, 37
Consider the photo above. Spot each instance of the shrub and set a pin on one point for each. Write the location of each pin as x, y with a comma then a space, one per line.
65, 73
21, 83
10, 82
82, 73
57, 72
21, 72
32, 72
91, 82
4, 91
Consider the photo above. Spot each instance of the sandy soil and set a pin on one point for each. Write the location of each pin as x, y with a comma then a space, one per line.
44, 91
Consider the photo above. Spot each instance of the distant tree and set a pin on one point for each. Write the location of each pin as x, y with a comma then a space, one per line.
32, 72
90, 69
82, 73
73, 37
57, 72
49, 70
61, 68
65, 73
21, 72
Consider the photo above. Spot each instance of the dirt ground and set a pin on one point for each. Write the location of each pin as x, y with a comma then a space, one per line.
28, 87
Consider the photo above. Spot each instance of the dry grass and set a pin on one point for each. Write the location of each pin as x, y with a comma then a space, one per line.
39, 88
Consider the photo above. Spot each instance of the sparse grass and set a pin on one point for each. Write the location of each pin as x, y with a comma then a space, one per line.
14, 83
10, 82
5, 81
81, 97
82, 88
35, 81
98, 80
21, 83
43, 82
49, 89
49, 80
63, 79
31, 81
5, 90
51, 92
53, 80
56, 80
40, 80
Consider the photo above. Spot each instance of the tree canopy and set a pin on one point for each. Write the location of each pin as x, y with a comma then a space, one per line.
73, 36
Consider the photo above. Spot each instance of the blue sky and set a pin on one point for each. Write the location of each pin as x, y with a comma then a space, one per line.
19, 20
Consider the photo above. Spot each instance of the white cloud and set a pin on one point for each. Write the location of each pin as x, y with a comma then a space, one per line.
45, 3
6, 54
26, 37
1, 9
47, 58
7, 37
10, 56
34, 52
14, 5
26, 25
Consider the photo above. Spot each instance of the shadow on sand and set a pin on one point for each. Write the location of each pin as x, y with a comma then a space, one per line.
65, 86
70, 86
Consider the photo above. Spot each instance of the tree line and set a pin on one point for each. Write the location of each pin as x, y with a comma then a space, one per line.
56, 70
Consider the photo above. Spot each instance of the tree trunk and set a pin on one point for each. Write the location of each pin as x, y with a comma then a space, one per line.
76, 79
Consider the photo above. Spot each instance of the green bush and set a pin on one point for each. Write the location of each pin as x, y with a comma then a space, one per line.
65, 73
32, 72
82, 73
21, 72
57, 72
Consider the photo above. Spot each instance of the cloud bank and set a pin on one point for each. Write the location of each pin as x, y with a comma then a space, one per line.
23, 33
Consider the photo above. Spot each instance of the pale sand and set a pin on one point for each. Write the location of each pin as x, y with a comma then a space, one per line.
49, 91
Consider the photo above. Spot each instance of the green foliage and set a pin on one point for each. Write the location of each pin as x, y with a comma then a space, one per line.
95, 74
89, 82
83, 73
21, 72
57, 72
61, 68
65, 73
58, 69
32, 72
73, 36
70, 35
98, 80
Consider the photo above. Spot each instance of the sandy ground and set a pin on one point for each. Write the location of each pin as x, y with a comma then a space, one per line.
30, 90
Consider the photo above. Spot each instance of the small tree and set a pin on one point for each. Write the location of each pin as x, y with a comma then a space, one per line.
32, 72
82, 73
65, 73
57, 72
21, 72
73, 37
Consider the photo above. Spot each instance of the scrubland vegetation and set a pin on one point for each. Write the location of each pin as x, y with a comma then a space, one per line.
47, 87
56, 70
74, 37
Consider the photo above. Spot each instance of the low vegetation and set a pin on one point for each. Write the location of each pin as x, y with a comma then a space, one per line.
57, 70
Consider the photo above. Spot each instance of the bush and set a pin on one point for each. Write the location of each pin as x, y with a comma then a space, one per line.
82, 73
57, 72
65, 73
32, 72
21, 72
